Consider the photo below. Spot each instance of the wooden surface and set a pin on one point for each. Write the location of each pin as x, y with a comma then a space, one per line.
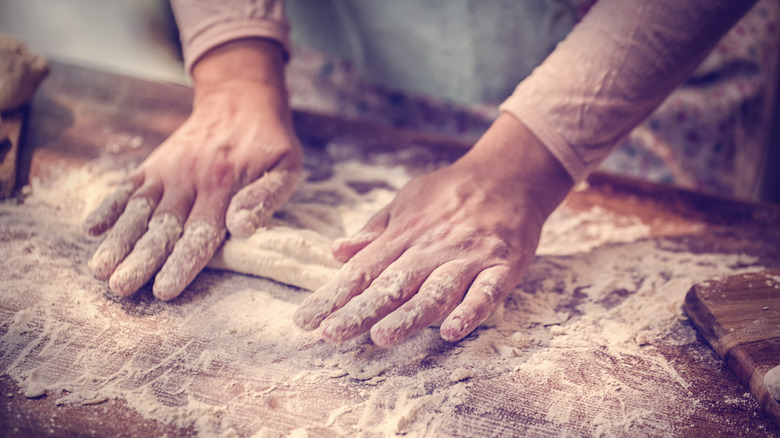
740, 317
81, 116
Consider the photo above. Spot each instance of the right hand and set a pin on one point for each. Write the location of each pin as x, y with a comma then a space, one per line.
229, 167
451, 246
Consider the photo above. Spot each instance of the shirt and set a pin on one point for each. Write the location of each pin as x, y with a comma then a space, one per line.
610, 72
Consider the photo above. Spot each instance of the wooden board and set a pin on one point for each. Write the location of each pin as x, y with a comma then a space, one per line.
740, 317
675, 386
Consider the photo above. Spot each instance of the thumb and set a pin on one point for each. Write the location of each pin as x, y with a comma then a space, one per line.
253, 206
345, 248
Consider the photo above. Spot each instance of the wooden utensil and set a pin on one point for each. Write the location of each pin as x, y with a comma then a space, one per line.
740, 318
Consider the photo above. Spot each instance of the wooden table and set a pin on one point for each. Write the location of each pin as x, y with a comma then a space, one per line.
78, 112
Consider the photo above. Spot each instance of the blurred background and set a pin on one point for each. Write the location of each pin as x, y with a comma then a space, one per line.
132, 37
443, 66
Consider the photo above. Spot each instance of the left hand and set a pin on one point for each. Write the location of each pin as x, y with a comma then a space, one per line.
229, 167
453, 243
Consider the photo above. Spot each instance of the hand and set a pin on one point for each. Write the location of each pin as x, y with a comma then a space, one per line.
231, 165
453, 243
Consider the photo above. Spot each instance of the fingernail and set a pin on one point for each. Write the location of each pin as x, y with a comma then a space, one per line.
121, 283
241, 223
337, 330
327, 335
382, 338
308, 318
103, 263
452, 330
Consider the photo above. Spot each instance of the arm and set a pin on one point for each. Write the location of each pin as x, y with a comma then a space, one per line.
613, 70
228, 167
455, 242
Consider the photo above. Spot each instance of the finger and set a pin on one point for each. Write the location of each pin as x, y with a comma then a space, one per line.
151, 251
253, 206
438, 295
120, 240
346, 248
393, 287
486, 293
203, 233
177, 200
189, 256
352, 279
147, 256
109, 210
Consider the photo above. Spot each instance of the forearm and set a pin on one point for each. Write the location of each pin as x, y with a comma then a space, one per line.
510, 161
613, 69
247, 66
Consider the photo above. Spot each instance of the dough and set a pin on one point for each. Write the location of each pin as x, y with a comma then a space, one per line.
21, 71
297, 257
293, 256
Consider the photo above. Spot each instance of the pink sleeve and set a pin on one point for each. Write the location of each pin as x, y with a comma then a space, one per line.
205, 24
613, 69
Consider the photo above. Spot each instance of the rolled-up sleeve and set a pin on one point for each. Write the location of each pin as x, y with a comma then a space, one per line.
205, 24
613, 69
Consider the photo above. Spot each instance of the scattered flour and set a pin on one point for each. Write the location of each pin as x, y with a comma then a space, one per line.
461, 374
33, 389
576, 352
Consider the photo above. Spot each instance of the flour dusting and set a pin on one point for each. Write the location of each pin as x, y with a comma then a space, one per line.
578, 351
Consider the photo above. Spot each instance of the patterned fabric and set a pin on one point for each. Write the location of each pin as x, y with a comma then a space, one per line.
712, 133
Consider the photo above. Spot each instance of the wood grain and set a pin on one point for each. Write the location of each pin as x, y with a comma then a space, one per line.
78, 113
740, 318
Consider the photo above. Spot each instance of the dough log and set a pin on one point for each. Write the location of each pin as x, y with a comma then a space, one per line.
297, 257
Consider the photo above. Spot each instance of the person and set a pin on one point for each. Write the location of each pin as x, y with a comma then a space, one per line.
454, 242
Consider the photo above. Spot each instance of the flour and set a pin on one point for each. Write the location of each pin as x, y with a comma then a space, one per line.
120, 240
190, 255
576, 352
461, 374
296, 257
147, 256
301, 256
33, 389
570, 232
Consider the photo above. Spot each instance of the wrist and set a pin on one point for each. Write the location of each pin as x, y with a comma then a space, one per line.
249, 60
511, 159
256, 63
246, 73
